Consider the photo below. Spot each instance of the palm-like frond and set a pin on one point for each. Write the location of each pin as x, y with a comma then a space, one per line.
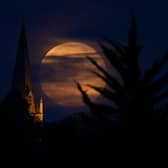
101, 69
158, 85
111, 82
85, 97
108, 94
138, 94
107, 77
119, 48
113, 58
155, 69
95, 107
160, 98
132, 34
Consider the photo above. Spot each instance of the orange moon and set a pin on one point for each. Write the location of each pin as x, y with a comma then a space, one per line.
62, 65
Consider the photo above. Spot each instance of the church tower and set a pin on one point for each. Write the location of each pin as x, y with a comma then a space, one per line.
22, 80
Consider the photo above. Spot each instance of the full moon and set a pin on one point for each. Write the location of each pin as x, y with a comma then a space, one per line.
64, 64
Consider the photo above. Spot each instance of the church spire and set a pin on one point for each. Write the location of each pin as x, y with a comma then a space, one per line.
22, 81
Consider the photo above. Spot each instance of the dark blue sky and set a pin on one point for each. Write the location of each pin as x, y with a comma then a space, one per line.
47, 21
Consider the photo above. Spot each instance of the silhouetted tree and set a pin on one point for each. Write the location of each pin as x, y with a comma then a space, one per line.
135, 96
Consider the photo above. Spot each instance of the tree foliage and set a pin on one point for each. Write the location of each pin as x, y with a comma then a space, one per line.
136, 96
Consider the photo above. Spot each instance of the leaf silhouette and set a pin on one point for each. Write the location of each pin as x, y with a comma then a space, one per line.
138, 94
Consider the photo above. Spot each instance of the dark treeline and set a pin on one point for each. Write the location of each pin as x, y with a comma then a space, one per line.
136, 117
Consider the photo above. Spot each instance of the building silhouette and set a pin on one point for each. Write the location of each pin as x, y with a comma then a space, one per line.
22, 81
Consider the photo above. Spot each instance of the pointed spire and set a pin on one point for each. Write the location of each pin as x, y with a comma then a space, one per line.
22, 81
23, 40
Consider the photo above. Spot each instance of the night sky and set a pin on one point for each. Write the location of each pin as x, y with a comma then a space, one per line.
48, 21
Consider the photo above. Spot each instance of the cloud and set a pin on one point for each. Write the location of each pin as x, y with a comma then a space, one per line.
67, 68
66, 94
73, 49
